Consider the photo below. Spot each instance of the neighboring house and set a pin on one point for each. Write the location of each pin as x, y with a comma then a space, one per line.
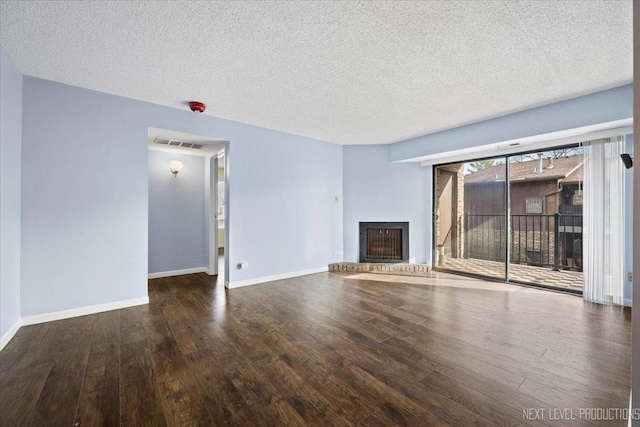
538, 190
533, 190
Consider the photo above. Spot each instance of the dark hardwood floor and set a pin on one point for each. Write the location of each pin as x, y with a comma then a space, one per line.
326, 349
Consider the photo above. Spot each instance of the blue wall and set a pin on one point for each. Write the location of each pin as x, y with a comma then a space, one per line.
600, 107
85, 196
176, 213
282, 200
377, 190
10, 153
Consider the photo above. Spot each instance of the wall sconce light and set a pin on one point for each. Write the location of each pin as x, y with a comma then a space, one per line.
176, 166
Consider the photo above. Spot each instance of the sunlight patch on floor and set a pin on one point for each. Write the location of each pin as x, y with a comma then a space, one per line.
446, 281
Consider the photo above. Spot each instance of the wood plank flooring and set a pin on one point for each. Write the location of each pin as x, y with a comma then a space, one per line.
321, 350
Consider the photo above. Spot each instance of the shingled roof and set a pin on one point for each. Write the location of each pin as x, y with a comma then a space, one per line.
524, 171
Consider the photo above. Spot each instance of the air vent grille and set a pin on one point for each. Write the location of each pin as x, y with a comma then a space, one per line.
177, 143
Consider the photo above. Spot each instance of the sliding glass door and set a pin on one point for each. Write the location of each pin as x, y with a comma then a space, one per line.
517, 218
469, 222
545, 191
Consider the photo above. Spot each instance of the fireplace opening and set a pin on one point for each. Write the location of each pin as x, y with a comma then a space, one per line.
384, 242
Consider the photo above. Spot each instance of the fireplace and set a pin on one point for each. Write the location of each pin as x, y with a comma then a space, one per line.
384, 242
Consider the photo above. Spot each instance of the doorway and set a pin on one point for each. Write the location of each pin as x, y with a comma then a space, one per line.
187, 211
516, 218
469, 217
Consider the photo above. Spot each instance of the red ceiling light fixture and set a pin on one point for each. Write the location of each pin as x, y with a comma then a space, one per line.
197, 107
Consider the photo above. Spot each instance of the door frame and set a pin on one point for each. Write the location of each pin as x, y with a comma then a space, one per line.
214, 246
507, 278
213, 215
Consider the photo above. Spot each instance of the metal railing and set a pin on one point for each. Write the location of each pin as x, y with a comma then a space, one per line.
536, 239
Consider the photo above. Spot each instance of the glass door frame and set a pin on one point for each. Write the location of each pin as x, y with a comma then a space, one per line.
507, 195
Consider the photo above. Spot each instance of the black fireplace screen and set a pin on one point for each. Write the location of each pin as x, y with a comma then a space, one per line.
384, 241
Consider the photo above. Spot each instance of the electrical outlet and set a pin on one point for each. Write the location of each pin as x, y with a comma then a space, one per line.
337, 199
630, 276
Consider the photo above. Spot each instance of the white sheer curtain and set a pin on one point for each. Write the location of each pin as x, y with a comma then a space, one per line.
603, 221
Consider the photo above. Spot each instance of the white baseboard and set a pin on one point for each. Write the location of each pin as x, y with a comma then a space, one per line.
241, 283
83, 311
628, 303
10, 333
178, 272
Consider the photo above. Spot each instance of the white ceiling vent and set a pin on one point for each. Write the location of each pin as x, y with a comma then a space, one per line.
177, 143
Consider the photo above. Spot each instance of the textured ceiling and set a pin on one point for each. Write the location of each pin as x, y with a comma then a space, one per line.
346, 72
